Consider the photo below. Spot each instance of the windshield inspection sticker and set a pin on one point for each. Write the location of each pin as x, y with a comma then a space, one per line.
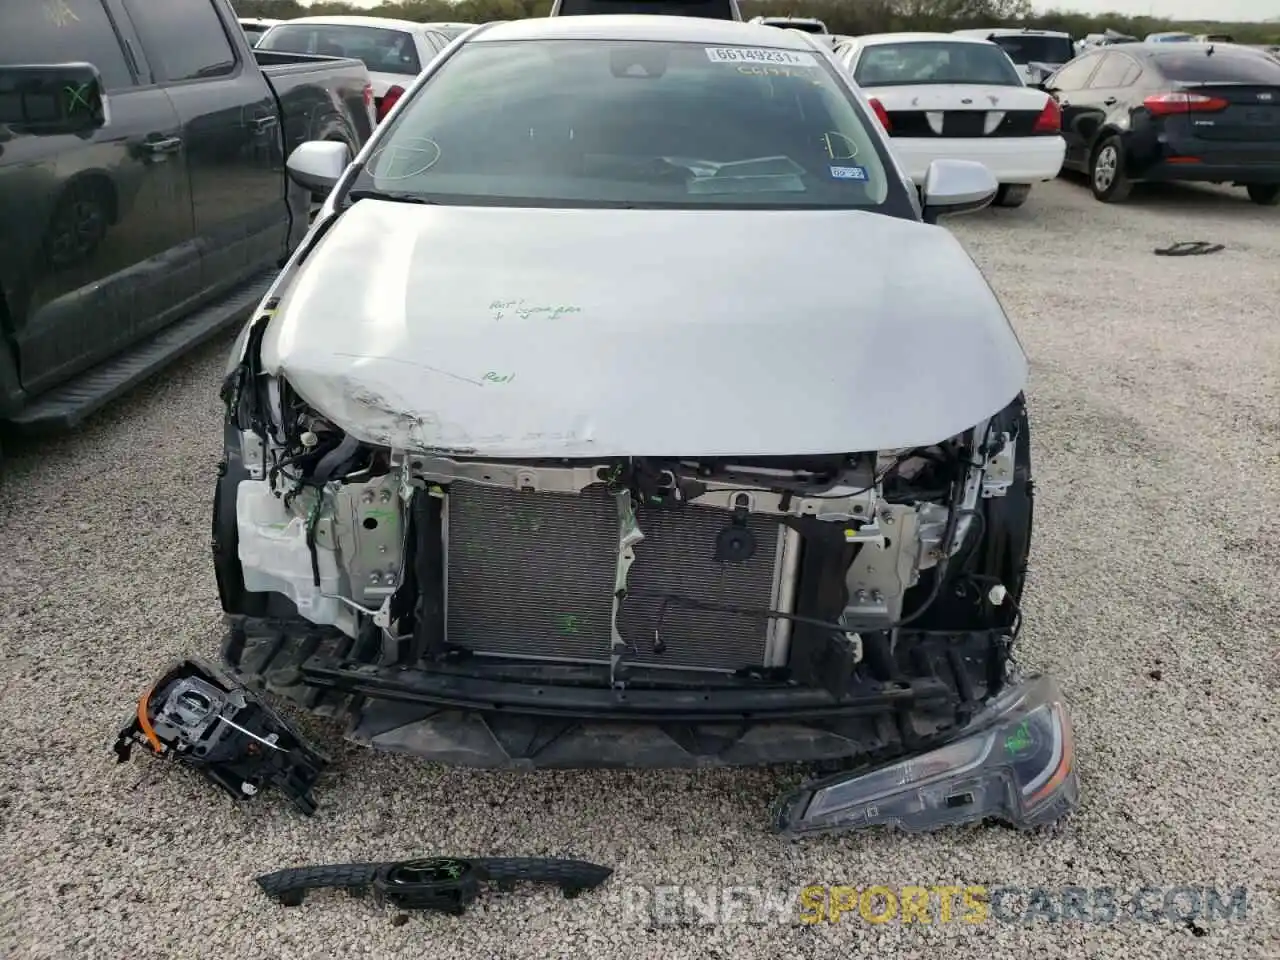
784, 58
849, 173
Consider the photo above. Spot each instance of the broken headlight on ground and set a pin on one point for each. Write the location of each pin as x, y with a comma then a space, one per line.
201, 718
1015, 763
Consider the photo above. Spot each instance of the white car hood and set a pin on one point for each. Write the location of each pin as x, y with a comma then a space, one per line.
524, 332
952, 96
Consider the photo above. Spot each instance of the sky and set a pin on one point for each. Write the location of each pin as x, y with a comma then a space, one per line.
1228, 10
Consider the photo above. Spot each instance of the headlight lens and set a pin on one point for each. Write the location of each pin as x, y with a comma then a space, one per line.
1014, 762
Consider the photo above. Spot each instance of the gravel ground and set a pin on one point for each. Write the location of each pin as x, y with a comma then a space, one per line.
1155, 403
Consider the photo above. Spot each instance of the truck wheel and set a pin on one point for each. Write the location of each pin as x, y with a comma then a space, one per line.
1264, 194
1106, 172
1012, 194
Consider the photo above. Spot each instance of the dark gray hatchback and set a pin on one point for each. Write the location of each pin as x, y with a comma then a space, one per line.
1172, 112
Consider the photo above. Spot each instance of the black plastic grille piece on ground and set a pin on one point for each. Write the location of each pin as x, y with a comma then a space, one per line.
444, 884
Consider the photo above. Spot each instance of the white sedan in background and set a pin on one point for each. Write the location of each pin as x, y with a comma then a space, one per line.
942, 96
394, 51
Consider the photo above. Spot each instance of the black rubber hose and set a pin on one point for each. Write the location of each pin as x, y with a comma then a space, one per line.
334, 459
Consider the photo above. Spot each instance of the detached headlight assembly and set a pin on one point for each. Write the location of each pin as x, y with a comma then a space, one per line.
1014, 762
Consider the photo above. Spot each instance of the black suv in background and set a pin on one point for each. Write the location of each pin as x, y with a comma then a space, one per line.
143, 200
1207, 112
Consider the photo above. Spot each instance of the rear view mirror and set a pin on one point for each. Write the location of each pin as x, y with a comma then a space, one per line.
317, 165
956, 186
53, 98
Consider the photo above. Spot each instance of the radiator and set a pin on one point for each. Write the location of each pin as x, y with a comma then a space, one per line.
532, 575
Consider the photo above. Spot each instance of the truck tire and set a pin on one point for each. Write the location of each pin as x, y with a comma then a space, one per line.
1264, 194
1012, 194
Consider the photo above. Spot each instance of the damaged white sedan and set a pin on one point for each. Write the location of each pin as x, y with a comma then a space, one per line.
607, 418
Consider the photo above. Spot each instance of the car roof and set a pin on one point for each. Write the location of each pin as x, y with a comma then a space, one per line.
921, 37
336, 20
1153, 48
1012, 32
646, 27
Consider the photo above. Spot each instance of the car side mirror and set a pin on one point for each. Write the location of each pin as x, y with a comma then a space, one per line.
956, 186
53, 98
318, 165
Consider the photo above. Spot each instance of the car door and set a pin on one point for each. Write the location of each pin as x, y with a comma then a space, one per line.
1068, 87
96, 231
231, 135
1107, 94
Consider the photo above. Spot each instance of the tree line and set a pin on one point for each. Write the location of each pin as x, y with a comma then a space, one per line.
854, 17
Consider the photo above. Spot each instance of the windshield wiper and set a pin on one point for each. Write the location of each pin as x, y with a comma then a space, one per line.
392, 195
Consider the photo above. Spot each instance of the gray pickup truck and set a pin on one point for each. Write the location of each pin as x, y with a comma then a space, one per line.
144, 205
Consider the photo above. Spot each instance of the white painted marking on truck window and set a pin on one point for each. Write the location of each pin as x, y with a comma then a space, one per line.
59, 13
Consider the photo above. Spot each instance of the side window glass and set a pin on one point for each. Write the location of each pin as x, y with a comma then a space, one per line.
1112, 72
184, 39
1074, 74
64, 32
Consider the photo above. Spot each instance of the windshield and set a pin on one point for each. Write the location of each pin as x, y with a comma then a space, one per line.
1026, 49
613, 123
940, 61
254, 32
1234, 66
383, 51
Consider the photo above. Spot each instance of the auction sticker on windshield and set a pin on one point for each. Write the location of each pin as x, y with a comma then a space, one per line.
760, 55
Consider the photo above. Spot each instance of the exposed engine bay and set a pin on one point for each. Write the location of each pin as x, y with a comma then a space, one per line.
779, 608
634, 565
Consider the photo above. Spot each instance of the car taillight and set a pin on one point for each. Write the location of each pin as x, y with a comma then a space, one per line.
1050, 119
368, 94
1169, 104
388, 101
881, 113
